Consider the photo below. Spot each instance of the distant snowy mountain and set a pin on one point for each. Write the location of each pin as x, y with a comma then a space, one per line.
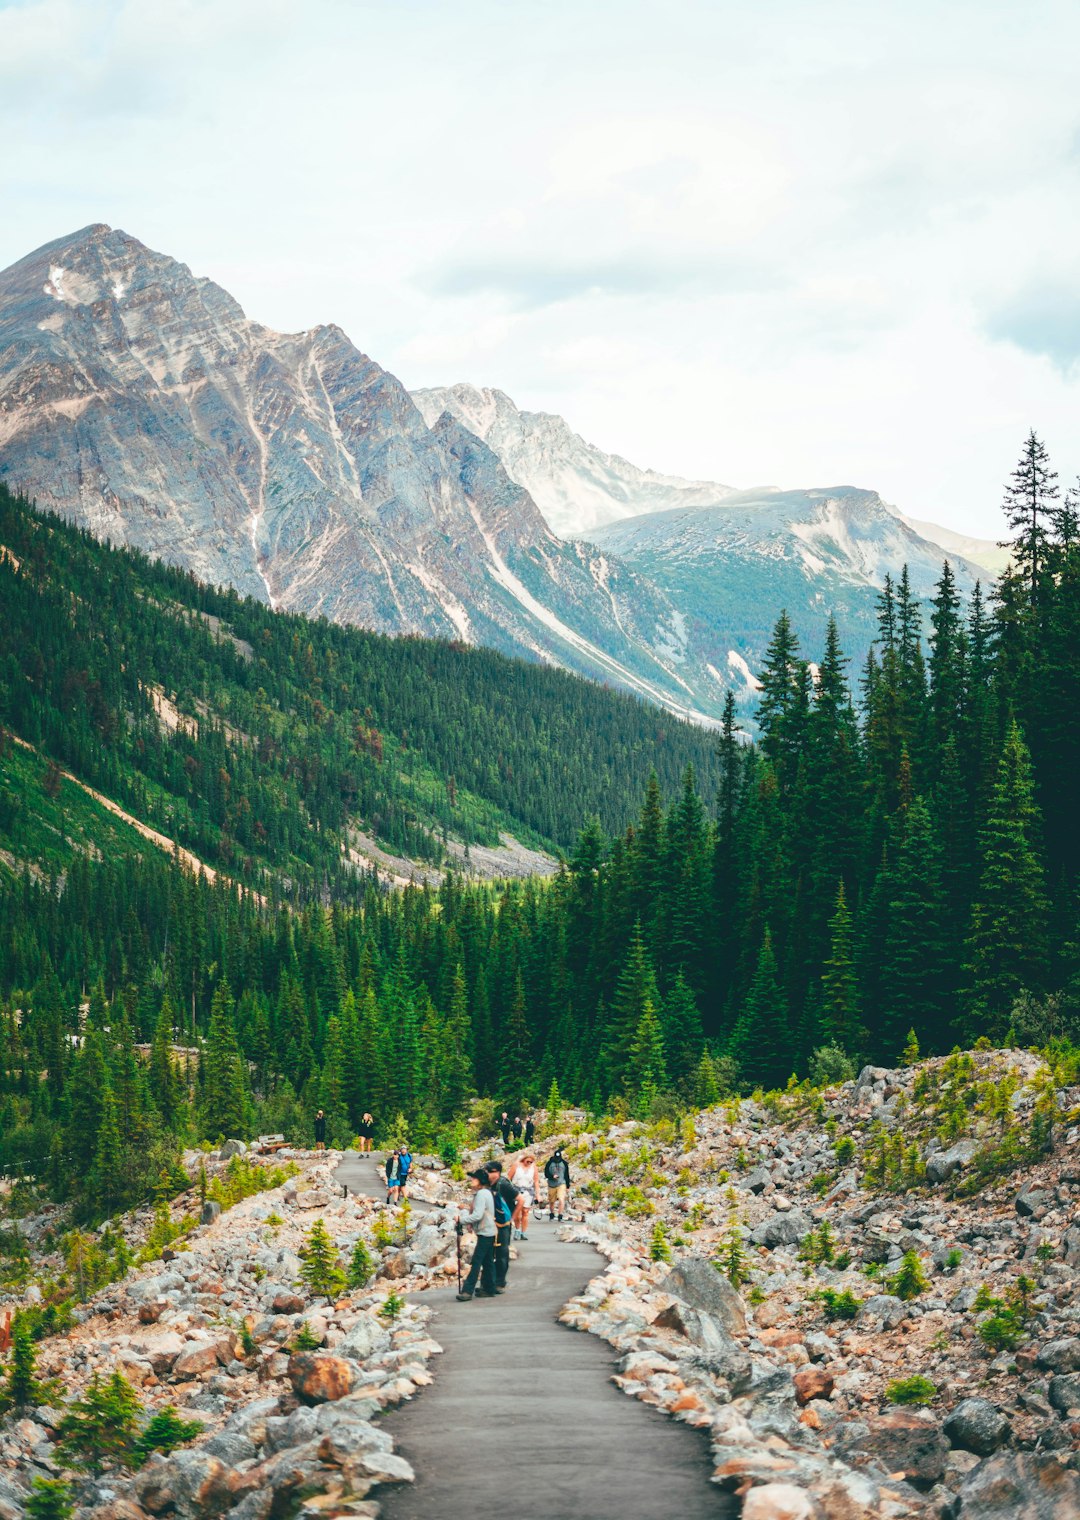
576, 485
984, 552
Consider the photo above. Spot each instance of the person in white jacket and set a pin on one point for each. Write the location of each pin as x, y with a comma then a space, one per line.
525, 1175
482, 1219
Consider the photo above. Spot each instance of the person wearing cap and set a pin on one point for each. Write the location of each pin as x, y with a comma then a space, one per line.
482, 1219
557, 1174
506, 1201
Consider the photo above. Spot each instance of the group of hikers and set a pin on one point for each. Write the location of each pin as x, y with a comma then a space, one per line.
501, 1205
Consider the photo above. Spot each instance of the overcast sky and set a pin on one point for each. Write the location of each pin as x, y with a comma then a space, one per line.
802, 244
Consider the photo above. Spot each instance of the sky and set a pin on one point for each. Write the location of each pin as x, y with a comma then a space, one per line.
798, 244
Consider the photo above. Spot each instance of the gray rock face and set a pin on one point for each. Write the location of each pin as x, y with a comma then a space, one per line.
1061, 1355
1064, 1392
941, 1165
1019, 1486
367, 1338
976, 1425
139, 400
697, 1282
715, 1348
783, 1229
233, 1148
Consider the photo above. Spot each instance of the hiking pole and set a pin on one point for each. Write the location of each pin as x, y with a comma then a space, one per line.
458, 1232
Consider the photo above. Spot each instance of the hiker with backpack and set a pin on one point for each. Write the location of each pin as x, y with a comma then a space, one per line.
557, 1173
525, 1176
393, 1176
506, 1201
482, 1219
404, 1168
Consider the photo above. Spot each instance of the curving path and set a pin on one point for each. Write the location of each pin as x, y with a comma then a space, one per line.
522, 1418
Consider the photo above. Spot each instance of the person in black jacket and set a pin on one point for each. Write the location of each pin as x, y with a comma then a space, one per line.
505, 1190
557, 1173
504, 1127
530, 1131
320, 1131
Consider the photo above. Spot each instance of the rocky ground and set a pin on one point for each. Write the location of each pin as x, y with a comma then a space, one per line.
815, 1253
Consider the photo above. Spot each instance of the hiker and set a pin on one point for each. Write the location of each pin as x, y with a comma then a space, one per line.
558, 1180
530, 1131
482, 1219
366, 1133
320, 1131
525, 1175
517, 1127
505, 1195
404, 1168
504, 1127
392, 1177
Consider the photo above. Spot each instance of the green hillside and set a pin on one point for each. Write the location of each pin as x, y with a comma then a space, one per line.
259, 740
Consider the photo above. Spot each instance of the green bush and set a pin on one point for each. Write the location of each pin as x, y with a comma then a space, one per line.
165, 1432
911, 1390
305, 1340
910, 1280
659, 1249
100, 1428
830, 1065
361, 1266
50, 1499
321, 1268
838, 1305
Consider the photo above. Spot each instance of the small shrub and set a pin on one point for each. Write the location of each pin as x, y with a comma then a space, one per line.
910, 1280
382, 1232
22, 1386
915, 1390
392, 1306
953, 1259
361, 1266
100, 1428
837, 1305
844, 1149
1001, 1332
50, 1499
829, 1065
248, 1344
659, 1249
321, 1268
304, 1340
165, 1432
274, 1220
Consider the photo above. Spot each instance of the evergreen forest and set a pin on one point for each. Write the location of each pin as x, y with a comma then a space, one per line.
894, 860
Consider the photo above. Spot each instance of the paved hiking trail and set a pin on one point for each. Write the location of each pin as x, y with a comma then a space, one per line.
522, 1418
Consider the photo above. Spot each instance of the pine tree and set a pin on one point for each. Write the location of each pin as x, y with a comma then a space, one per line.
516, 1053
761, 1040
22, 1387
918, 985
840, 1020
108, 1168
646, 1068
164, 1082
778, 703
1028, 510
1006, 947
683, 1033
224, 1101
321, 1268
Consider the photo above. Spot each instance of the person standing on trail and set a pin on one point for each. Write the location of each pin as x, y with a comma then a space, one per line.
404, 1167
366, 1132
320, 1131
482, 1219
504, 1127
525, 1176
506, 1198
530, 1130
392, 1182
517, 1127
557, 1173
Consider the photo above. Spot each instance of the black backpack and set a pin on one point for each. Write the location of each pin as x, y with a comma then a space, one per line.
506, 1197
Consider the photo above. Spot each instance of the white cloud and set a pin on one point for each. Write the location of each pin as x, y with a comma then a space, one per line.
787, 243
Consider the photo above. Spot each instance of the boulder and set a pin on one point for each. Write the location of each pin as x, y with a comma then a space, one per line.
941, 1165
396, 1266
696, 1282
1060, 1356
887, 1308
976, 1425
232, 1148
211, 1210
782, 1229
715, 1349
202, 1356
899, 1442
1019, 1486
189, 1483
1064, 1392
318, 1377
813, 1383
313, 1199
1031, 1202
778, 1501
365, 1339
757, 1180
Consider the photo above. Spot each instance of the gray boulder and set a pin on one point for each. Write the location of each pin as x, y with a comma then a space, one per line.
1031, 1202
210, 1211
232, 1148
1064, 1392
942, 1164
782, 1229
757, 1180
887, 1308
714, 1348
1019, 1486
696, 1282
1061, 1356
367, 1338
976, 1425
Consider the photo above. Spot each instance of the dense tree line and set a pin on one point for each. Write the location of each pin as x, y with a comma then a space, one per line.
258, 739
896, 854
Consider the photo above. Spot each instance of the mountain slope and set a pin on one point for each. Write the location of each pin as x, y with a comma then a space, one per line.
282, 750
983, 552
577, 486
730, 568
142, 402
